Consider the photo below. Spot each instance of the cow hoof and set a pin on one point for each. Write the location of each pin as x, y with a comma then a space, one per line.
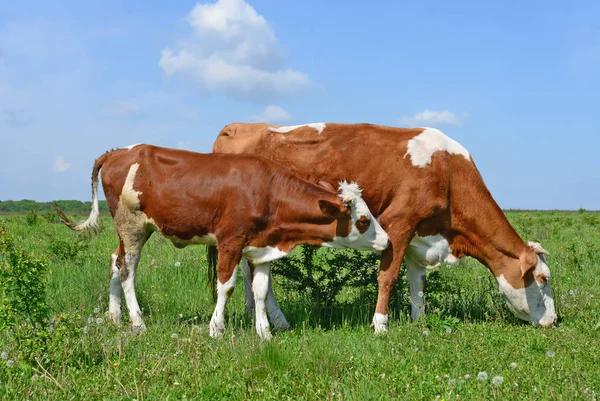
280, 323
216, 330
380, 323
263, 331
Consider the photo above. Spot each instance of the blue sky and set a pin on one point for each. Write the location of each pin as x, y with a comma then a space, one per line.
517, 83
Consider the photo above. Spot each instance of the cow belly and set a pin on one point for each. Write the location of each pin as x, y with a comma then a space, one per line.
208, 239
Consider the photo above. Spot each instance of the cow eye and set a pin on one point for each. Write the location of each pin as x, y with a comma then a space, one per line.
543, 279
362, 224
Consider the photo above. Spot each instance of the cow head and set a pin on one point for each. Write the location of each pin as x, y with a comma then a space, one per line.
239, 137
528, 293
357, 227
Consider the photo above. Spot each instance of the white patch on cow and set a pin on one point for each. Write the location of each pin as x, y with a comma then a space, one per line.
132, 146
430, 251
317, 126
208, 239
129, 196
116, 291
374, 239
260, 287
135, 313
422, 147
217, 322
380, 323
263, 255
534, 303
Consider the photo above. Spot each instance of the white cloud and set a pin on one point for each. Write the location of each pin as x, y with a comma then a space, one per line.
272, 114
434, 118
61, 165
186, 113
233, 50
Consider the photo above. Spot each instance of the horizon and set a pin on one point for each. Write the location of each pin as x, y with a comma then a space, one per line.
516, 84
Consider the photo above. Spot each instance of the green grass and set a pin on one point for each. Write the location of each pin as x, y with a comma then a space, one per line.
331, 353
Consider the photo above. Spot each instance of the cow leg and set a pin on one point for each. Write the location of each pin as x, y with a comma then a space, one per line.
260, 287
391, 261
116, 290
129, 257
415, 273
248, 296
274, 311
226, 276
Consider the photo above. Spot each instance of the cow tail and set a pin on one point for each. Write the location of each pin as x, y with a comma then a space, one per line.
92, 225
212, 257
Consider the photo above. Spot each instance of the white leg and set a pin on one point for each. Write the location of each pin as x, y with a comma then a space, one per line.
415, 273
277, 317
380, 323
135, 313
248, 296
260, 287
217, 322
116, 291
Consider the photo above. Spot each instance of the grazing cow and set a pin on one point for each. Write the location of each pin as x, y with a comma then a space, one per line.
428, 196
245, 205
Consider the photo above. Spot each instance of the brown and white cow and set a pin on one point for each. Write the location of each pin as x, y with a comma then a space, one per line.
245, 205
428, 196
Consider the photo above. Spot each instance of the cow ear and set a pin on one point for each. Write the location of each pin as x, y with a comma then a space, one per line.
326, 185
329, 208
528, 260
537, 247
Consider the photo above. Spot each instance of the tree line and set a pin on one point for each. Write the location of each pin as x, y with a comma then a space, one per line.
68, 206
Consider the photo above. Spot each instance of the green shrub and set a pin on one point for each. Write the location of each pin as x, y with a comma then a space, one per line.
31, 218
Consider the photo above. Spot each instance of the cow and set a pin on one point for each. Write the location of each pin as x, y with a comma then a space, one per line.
428, 195
245, 205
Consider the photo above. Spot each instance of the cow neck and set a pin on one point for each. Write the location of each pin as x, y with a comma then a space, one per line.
298, 217
480, 229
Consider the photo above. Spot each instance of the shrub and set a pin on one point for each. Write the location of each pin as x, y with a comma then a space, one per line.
23, 307
31, 218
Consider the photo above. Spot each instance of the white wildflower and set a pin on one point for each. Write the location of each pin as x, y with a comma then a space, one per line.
10, 363
96, 310
85, 330
425, 332
174, 335
4, 354
550, 354
181, 315
177, 264
467, 377
497, 381
452, 383
513, 365
35, 377
448, 330
99, 320
421, 294
90, 320
482, 376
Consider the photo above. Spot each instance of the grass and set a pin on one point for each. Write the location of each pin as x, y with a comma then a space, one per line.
331, 353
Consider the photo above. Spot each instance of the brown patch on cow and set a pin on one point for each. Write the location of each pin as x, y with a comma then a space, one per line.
362, 224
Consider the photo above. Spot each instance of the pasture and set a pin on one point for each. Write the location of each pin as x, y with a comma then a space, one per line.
468, 346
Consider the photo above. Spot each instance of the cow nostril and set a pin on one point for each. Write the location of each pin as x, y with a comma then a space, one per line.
554, 321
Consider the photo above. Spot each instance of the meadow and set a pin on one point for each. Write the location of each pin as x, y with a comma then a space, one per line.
468, 346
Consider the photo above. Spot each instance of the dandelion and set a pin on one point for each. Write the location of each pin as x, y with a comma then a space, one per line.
176, 383
446, 376
10, 363
90, 320
421, 294
448, 330
99, 320
497, 381
425, 332
174, 336
467, 377
85, 330
177, 264
550, 354
452, 383
513, 365
483, 376
4, 354
181, 315
116, 364
96, 310
35, 377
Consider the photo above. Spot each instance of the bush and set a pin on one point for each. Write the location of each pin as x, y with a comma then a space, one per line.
31, 218
23, 307
324, 275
